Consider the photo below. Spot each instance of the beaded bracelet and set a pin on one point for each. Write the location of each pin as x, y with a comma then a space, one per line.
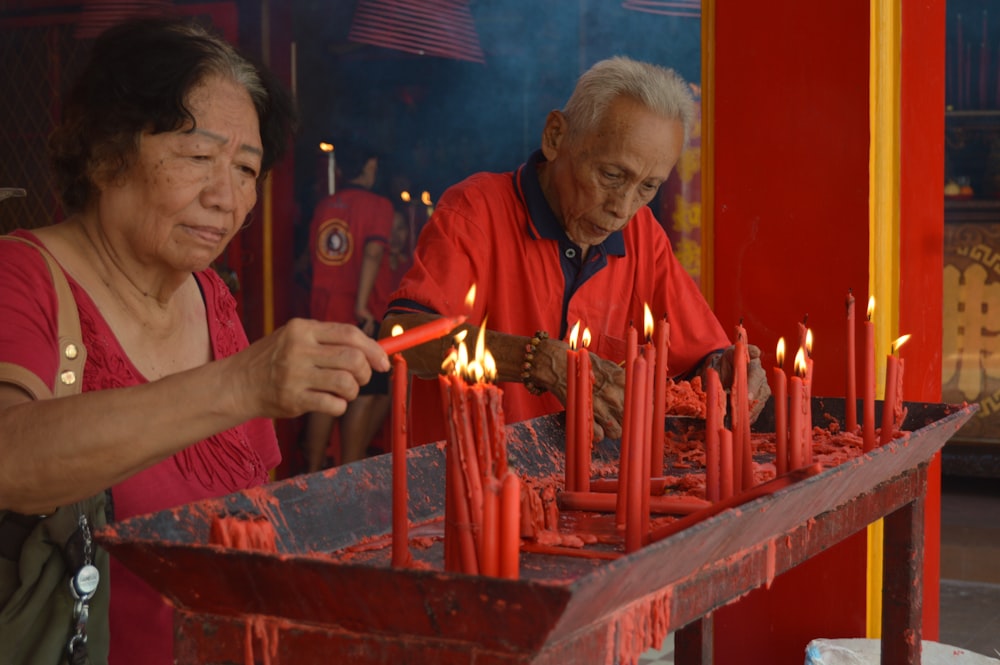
529, 357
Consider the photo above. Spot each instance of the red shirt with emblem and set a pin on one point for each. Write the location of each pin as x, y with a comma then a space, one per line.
498, 232
341, 227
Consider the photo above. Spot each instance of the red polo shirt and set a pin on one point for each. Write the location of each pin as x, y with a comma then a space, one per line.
498, 232
341, 227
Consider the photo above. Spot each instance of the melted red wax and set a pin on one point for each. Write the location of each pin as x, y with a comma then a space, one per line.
250, 533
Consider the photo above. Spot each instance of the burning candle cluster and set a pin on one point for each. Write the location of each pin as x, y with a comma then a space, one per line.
728, 450
893, 412
482, 495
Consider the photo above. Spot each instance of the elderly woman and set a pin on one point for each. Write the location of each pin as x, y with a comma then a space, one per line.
163, 144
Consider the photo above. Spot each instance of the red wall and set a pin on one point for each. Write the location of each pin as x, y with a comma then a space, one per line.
791, 236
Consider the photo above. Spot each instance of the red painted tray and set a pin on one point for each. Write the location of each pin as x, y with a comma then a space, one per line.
310, 602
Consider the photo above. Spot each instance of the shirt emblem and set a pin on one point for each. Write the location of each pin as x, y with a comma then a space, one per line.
335, 244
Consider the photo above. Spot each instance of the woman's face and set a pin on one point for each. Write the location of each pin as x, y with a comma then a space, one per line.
597, 181
189, 191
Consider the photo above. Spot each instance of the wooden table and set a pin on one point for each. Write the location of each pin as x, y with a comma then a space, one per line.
309, 603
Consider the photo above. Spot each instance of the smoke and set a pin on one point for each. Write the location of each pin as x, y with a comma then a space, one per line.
439, 120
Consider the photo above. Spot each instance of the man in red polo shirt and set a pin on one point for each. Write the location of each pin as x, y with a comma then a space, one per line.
567, 237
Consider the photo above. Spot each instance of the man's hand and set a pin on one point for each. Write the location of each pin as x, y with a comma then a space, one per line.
758, 390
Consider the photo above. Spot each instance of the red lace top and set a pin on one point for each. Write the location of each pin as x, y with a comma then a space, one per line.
239, 458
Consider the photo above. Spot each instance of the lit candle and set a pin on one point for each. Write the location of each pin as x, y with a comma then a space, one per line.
851, 401
637, 434
868, 416
585, 414
572, 409
715, 405
510, 527
631, 352
400, 526
417, 335
892, 404
779, 388
661, 336
796, 412
647, 442
330, 168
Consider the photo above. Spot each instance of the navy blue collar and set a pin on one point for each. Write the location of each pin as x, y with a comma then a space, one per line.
543, 222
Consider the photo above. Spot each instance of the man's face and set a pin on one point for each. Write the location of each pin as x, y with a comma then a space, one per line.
596, 181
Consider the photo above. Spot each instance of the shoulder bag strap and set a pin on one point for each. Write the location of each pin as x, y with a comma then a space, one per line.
72, 352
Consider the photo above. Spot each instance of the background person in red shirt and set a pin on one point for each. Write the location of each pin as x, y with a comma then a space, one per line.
348, 236
568, 237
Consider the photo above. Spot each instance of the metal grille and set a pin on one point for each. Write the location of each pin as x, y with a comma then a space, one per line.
36, 66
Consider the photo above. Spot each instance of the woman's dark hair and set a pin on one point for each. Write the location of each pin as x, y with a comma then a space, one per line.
138, 79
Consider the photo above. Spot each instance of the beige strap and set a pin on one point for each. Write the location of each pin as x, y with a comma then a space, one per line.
72, 353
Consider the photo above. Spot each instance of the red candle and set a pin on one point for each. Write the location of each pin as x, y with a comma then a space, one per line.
400, 526
510, 527
796, 413
851, 401
740, 411
807, 383
494, 402
470, 492
489, 556
585, 419
726, 476
452, 556
631, 351
868, 416
647, 442
779, 389
714, 414
417, 335
572, 416
637, 434
659, 396
892, 404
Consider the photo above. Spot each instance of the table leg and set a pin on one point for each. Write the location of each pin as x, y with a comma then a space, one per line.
693, 643
902, 587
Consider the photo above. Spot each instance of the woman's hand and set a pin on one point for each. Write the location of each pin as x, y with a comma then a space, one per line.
307, 366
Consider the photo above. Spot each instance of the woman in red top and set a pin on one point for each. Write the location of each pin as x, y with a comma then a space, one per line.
163, 144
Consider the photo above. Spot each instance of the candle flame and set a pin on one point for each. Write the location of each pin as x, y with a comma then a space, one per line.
425, 198
481, 366
326, 147
585, 341
647, 321
405, 196
573, 334
779, 352
397, 330
800, 362
809, 342
871, 307
900, 342
470, 297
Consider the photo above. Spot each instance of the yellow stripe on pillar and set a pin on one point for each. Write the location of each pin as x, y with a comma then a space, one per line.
883, 252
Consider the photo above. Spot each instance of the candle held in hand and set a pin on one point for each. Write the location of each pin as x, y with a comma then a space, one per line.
400, 525
417, 335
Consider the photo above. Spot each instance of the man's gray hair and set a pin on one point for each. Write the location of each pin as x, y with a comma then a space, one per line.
659, 89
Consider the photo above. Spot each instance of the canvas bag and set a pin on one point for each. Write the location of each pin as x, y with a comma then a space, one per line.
37, 620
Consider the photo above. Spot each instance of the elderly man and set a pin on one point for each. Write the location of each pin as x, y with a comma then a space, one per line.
568, 236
